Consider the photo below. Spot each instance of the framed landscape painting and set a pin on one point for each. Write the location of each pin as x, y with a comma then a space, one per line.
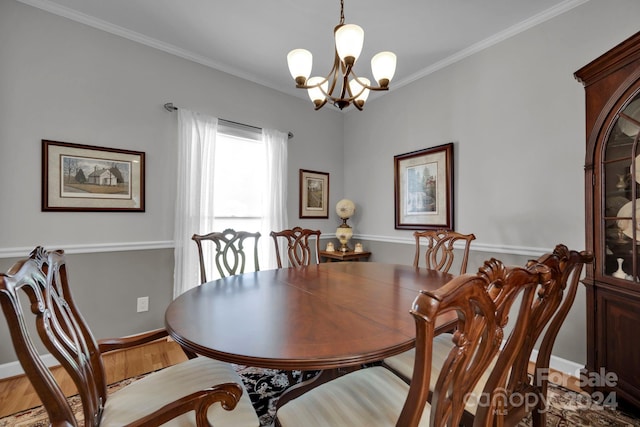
314, 194
77, 177
424, 189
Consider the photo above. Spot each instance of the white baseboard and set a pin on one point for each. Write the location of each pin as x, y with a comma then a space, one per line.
559, 364
13, 369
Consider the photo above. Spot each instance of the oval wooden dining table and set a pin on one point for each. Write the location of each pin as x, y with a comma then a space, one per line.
319, 317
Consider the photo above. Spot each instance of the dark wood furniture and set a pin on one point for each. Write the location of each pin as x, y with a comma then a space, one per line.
439, 254
35, 292
227, 250
322, 316
377, 397
299, 251
547, 313
612, 174
344, 256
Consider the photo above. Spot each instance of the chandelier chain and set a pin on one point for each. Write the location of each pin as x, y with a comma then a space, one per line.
341, 12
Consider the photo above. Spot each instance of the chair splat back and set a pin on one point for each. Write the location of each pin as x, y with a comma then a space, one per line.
482, 302
43, 278
547, 313
299, 251
230, 257
439, 253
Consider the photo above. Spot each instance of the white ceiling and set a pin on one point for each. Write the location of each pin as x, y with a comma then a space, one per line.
250, 39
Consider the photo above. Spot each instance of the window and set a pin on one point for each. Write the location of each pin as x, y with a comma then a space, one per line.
229, 176
239, 172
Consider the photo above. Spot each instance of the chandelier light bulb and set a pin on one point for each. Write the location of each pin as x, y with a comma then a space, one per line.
360, 92
315, 92
383, 67
349, 41
300, 62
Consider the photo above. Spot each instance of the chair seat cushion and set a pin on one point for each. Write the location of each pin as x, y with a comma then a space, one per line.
369, 397
160, 388
442, 345
403, 362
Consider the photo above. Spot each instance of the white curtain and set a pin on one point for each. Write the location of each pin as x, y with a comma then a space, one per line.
194, 198
274, 217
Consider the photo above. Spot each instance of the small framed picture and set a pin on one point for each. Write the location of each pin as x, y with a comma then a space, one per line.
314, 194
424, 189
77, 177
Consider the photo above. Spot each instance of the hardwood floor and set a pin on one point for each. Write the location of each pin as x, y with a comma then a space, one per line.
17, 394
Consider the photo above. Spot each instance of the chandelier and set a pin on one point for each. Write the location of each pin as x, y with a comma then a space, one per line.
349, 39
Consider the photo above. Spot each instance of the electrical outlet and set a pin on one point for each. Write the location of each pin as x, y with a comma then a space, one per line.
143, 304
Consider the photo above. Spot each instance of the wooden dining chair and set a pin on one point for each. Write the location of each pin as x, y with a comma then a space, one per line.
377, 397
547, 313
439, 254
300, 251
227, 251
193, 393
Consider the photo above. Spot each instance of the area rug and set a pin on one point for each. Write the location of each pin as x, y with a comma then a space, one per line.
37, 417
566, 408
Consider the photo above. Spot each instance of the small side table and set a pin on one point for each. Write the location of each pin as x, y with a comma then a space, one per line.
344, 256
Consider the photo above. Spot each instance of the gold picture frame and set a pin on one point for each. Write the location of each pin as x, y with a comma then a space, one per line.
314, 194
424, 189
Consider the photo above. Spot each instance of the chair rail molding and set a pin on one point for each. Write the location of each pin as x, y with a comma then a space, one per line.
475, 247
91, 248
169, 244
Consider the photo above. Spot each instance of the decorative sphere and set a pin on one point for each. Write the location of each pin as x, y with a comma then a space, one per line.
345, 208
344, 234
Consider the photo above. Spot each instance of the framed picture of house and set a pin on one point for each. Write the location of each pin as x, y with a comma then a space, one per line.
424, 189
77, 177
314, 194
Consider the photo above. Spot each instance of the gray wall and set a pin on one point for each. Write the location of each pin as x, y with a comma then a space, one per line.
514, 111
65, 81
516, 116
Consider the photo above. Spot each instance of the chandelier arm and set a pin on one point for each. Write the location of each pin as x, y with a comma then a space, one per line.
364, 87
314, 86
319, 106
345, 83
318, 85
377, 88
333, 75
368, 86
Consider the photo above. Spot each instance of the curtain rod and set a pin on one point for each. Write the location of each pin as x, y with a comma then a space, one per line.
171, 108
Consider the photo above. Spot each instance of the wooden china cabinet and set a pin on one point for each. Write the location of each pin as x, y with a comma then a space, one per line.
612, 196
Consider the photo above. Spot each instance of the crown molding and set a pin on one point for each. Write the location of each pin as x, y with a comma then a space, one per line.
100, 24
495, 39
108, 27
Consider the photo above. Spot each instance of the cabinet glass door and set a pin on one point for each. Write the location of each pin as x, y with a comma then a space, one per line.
621, 185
